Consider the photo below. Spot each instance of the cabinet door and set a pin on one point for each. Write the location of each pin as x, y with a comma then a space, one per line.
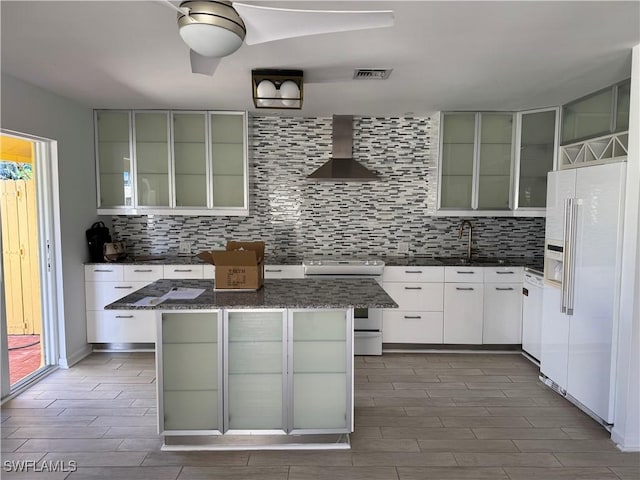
411, 327
113, 152
256, 366
535, 156
283, 271
189, 360
321, 365
190, 159
458, 151
463, 313
495, 154
151, 146
588, 116
228, 156
502, 313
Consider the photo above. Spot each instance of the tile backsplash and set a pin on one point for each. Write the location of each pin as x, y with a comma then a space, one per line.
299, 218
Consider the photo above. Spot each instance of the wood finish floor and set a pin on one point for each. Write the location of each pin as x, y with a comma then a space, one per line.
417, 416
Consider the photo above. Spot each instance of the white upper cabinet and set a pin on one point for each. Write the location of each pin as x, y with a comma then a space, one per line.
172, 162
495, 163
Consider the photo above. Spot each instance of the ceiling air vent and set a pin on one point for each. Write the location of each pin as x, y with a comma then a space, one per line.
372, 73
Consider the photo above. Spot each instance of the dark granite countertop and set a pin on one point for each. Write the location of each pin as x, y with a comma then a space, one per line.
284, 293
423, 261
161, 259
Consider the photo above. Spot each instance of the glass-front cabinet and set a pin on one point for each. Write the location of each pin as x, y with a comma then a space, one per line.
172, 162
113, 152
495, 163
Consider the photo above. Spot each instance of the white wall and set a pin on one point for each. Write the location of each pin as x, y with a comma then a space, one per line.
626, 430
28, 109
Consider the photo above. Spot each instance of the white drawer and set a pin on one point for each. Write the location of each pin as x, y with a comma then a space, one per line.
417, 296
121, 326
142, 273
104, 273
99, 294
413, 274
283, 271
183, 271
503, 274
464, 274
412, 327
208, 271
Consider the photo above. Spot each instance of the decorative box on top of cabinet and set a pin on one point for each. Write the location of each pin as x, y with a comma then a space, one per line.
172, 162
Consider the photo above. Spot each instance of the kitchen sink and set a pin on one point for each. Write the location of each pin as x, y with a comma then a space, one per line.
473, 261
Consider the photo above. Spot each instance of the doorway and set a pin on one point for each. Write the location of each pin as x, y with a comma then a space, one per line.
24, 266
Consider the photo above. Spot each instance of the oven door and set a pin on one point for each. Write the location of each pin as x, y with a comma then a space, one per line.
367, 319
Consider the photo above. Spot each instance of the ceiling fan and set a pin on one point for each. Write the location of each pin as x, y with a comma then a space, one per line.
214, 29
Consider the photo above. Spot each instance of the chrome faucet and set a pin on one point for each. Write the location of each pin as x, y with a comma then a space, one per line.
461, 230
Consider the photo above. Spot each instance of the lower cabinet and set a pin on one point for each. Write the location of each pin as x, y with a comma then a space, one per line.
463, 313
248, 372
502, 313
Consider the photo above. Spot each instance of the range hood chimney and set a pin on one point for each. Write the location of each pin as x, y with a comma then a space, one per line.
342, 167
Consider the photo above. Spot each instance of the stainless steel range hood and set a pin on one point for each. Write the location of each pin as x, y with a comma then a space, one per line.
342, 167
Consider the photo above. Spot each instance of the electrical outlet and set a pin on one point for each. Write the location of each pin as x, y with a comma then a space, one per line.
184, 248
403, 247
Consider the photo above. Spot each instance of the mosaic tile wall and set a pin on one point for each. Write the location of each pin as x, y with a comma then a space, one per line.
300, 218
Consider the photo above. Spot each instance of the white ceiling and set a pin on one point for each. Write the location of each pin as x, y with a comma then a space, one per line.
449, 55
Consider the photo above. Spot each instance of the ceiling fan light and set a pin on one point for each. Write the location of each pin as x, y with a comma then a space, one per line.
210, 40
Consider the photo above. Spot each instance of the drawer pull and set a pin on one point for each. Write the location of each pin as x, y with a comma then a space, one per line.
124, 316
412, 317
143, 271
465, 272
183, 270
464, 288
505, 273
126, 288
103, 271
503, 288
413, 288
273, 270
413, 271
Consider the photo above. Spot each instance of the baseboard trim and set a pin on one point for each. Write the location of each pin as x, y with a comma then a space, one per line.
69, 361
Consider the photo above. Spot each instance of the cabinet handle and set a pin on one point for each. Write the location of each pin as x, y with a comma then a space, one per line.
274, 270
504, 289
126, 288
416, 317
505, 273
413, 271
143, 271
413, 288
183, 270
103, 271
124, 316
471, 273
464, 288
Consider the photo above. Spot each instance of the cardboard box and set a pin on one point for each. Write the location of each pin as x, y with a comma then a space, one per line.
239, 267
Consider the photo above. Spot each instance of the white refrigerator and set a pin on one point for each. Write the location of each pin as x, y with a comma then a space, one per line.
583, 240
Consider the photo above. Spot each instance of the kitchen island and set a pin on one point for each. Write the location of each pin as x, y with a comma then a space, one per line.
266, 369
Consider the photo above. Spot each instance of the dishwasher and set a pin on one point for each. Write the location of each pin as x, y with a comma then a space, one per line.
532, 313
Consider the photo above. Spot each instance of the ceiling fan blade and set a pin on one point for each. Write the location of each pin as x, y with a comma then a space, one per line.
265, 24
203, 65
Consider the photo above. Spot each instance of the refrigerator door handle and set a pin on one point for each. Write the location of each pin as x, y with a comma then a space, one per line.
572, 256
565, 255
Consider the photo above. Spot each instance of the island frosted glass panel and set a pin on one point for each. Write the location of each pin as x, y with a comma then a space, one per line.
494, 179
152, 158
457, 160
227, 155
320, 370
537, 140
190, 371
190, 159
114, 158
255, 370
